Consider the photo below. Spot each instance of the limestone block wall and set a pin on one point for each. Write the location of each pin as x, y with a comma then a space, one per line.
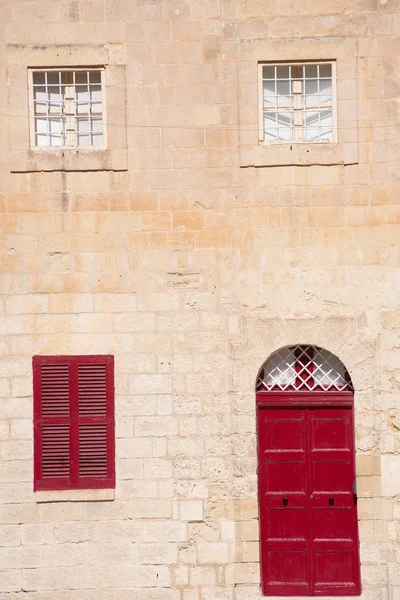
191, 266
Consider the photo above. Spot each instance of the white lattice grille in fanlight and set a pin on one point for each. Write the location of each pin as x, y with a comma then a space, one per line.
304, 368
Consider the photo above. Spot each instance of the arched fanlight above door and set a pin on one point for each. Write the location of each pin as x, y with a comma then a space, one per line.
304, 369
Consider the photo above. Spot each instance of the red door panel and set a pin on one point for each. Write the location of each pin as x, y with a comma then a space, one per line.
309, 540
283, 462
334, 543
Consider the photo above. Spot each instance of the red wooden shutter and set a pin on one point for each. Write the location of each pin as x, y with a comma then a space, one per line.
74, 422
95, 423
52, 415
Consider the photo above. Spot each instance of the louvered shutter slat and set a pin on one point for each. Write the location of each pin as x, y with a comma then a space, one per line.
93, 451
55, 451
55, 390
92, 390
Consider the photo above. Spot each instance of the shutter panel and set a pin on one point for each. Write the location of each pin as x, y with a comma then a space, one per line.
96, 422
52, 433
92, 390
55, 390
92, 450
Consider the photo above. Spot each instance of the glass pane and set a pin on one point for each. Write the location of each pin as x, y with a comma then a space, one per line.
84, 139
97, 108
311, 128
283, 93
270, 119
81, 76
285, 131
268, 72
270, 134
97, 125
296, 72
325, 70
54, 93
281, 369
95, 93
82, 99
282, 72
56, 140
311, 71
97, 139
311, 87
326, 122
39, 94
269, 88
325, 90
53, 77
284, 117
56, 132
95, 77
56, 126
82, 93
83, 125
328, 370
39, 78
311, 123
269, 93
83, 109
41, 126
66, 77
270, 126
40, 109
55, 99
42, 140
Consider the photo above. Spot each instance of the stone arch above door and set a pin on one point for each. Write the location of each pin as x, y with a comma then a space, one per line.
350, 338
303, 368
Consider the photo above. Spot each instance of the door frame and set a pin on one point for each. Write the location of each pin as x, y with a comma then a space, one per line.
306, 399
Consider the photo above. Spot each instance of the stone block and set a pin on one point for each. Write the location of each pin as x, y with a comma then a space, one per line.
164, 531
213, 553
191, 510
10, 581
390, 475
156, 426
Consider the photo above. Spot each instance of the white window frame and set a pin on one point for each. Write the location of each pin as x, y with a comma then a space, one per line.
261, 139
31, 71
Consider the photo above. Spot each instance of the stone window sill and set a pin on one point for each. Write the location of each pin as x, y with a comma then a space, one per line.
68, 160
75, 496
298, 154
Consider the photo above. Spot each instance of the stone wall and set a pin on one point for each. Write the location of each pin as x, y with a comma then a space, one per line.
191, 267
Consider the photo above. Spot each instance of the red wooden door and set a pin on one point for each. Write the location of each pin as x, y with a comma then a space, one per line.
308, 516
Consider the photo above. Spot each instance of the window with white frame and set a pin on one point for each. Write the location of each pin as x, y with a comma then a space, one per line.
67, 108
297, 102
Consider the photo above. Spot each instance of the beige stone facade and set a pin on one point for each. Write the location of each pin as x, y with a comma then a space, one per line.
191, 253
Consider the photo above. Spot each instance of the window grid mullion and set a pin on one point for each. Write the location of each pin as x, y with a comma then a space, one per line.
297, 91
69, 109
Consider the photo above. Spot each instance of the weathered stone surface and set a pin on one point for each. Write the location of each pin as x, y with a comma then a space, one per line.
192, 271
